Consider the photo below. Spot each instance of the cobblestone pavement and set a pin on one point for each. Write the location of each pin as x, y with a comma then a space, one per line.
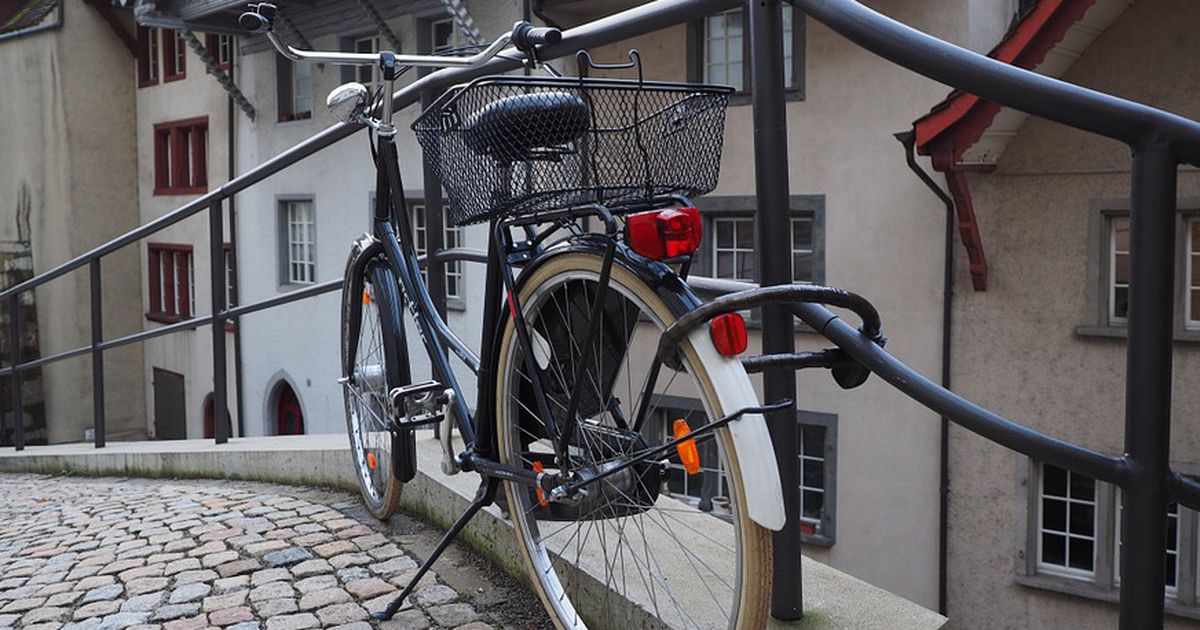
176, 555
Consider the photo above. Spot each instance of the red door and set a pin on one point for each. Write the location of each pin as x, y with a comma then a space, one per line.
289, 418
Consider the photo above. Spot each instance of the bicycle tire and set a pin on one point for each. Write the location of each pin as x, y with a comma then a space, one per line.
568, 594
377, 345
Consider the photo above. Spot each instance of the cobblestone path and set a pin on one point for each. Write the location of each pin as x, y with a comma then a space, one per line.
121, 553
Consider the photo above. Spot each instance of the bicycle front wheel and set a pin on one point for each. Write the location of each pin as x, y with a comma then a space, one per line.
653, 545
372, 343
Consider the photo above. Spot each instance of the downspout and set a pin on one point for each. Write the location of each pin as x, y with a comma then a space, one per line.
908, 139
233, 262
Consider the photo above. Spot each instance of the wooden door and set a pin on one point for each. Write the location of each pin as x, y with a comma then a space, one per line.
289, 418
170, 409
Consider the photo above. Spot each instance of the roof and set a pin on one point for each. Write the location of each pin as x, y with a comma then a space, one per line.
1048, 39
17, 15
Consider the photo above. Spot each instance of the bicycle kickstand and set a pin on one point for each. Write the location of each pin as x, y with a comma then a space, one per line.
483, 498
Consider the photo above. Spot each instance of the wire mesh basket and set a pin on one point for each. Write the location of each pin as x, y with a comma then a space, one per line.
505, 145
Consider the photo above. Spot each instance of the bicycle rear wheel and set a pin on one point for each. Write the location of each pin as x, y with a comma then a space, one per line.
372, 343
653, 546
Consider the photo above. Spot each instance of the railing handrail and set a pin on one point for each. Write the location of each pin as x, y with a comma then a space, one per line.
1046, 97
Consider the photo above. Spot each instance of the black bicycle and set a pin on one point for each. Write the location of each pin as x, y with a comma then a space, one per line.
640, 485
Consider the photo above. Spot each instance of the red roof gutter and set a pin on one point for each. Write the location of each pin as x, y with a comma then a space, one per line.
958, 122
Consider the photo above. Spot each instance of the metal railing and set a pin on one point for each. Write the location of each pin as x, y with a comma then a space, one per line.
1160, 142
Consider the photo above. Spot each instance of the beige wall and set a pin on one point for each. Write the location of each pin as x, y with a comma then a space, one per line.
189, 352
66, 136
883, 239
1015, 347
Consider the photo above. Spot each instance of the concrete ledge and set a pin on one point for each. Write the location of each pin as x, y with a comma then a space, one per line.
832, 599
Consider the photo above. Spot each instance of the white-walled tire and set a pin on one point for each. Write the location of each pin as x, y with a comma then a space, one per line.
633, 561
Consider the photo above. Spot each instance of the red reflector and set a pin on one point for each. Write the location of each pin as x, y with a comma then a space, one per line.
728, 334
660, 234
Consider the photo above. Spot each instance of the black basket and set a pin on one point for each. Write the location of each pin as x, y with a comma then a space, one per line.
505, 145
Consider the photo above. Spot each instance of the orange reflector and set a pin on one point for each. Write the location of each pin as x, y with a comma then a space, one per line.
366, 297
541, 495
371, 461
689, 455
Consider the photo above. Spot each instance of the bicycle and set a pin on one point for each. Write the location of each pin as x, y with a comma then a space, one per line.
600, 479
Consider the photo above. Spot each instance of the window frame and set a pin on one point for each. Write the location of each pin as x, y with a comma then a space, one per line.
286, 78
696, 51
714, 207
148, 68
182, 293
1191, 261
174, 56
169, 164
213, 43
825, 532
284, 251
1103, 584
1097, 320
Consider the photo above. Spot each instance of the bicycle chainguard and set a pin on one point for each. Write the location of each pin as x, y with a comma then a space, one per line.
419, 404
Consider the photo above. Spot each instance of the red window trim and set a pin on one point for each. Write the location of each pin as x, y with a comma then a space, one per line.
213, 44
167, 46
153, 263
143, 57
168, 165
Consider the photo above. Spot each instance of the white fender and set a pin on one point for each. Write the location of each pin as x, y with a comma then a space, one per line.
762, 490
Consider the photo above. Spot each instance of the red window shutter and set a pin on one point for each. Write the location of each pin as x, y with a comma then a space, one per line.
155, 292
162, 166
183, 261
200, 156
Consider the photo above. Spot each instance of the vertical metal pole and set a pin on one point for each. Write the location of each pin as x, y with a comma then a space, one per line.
1148, 384
775, 267
216, 248
97, 355
14, 350
434, 230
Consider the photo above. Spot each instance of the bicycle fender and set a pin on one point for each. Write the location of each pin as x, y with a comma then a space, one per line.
762, 489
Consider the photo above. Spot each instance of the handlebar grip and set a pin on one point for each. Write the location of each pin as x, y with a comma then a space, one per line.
525, 36
544, 35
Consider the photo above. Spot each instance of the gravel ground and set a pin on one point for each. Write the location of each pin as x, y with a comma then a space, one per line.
109, 553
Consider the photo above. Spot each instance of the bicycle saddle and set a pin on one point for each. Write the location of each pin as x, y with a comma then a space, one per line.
527, 126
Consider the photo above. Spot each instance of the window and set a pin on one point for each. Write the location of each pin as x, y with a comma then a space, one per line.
443, 35
1118, 265
729, 248
719, 50
221, 49
230, 277
181, 157
1191, 298
366, 75
147, 61
172, 282
1066, 522
295, 89
453, 237
1171, 579
709, 489
299, 238
174, 49
1072, 544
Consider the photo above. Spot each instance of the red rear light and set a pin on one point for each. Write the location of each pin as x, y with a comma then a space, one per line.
660, 234
728, 334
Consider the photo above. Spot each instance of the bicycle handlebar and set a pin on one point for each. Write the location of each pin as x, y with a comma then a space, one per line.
261, 18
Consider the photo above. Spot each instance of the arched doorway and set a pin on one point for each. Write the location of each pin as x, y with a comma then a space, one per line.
208, 419
289, 417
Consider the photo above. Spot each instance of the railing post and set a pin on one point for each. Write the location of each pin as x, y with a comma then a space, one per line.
775, 257
216, 248
434, 229
14, 353
97, 356
1148, 384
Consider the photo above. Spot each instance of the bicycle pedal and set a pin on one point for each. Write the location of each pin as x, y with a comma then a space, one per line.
418, 404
